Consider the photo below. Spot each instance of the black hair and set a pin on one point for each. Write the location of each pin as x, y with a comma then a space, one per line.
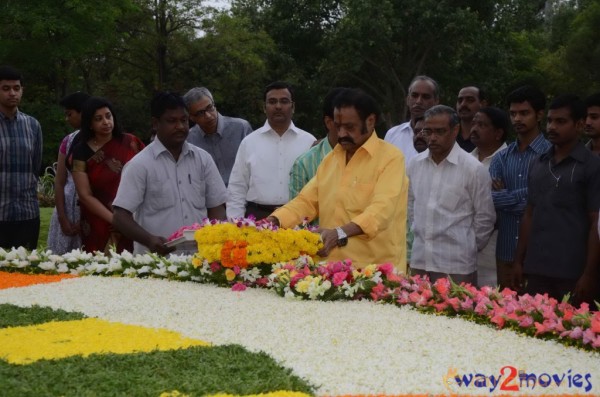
162, 101
10, 73
279, 85
499, 119
528, 93
328, 101
74, 101
364, 103
593, 100
576, 106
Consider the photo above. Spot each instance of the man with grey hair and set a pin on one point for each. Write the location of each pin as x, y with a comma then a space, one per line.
450, 205
217, 134
423, 93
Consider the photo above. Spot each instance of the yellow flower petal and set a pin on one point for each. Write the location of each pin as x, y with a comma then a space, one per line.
60, 339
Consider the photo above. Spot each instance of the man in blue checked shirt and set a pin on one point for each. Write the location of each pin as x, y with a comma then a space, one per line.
20, 163
509, 170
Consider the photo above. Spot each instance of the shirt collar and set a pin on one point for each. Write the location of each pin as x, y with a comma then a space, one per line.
537, 145
158, 148
475, 151
5, 117
452, 157
370, 146
219, 130
578, 153
267, 127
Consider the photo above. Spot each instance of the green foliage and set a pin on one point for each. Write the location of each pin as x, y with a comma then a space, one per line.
45, 189
16, 316
195, 371
45, 216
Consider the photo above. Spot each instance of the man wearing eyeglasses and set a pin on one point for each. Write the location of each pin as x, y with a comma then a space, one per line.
217, 134
450, 203
261, 173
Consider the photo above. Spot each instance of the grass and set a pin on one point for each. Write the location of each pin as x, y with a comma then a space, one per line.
195, 371
45, 215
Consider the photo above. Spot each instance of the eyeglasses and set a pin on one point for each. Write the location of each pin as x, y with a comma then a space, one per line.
202, 113
434, 131
282, 101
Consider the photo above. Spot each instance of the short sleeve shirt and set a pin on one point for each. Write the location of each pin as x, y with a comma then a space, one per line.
164, 194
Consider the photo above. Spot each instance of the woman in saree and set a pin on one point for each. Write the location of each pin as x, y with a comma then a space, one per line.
96, 161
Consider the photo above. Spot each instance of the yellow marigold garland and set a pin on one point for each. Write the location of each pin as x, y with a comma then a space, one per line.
247, 245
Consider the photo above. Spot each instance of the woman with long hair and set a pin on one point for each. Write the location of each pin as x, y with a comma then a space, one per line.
96, 161
63, 234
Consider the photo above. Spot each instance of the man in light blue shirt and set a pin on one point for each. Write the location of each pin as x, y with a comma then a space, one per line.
217, 134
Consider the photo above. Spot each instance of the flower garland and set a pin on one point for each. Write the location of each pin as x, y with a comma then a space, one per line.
248, 243
537, 316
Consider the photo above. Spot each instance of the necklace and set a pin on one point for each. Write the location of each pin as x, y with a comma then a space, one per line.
552, 173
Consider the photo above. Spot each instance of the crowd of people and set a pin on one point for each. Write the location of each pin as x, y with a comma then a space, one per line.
443, 195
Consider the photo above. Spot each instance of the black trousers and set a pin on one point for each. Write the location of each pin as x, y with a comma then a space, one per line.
260, 211
20, 233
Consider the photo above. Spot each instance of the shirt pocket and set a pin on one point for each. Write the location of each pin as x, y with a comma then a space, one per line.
358, 197
198, 194
451, 199
159, 195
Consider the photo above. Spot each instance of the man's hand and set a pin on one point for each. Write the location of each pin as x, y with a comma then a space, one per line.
330, 241
585, 288
517, 277
497, 184
157, 244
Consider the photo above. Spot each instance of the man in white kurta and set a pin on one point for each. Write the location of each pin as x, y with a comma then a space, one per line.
450, 203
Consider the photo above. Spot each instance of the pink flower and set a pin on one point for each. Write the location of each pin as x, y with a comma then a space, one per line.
238, 287
262, 282
442, 286
595, 323
377, 292
339, 278
386, 269
540, 328
236, 270
215, 267
526, 322
588, 336
499, 320
440, 306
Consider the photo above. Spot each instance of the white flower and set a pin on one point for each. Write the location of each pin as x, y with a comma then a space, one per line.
250, 275
161, 271
47, 265
183, 274
62, 268
143, 269
115, 265
21, 264
129, 271
173, 269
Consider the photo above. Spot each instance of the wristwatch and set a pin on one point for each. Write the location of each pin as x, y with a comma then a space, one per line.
342, 237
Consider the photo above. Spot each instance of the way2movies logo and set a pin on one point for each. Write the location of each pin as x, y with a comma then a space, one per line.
511, 379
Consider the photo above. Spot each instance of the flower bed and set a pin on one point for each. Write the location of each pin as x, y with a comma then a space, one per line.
538, 316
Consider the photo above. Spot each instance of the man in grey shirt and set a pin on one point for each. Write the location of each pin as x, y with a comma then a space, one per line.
217, 134
169, 184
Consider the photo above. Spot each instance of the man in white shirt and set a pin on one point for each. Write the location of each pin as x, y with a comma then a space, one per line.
450, 203
169, 184
260, 176
423, 93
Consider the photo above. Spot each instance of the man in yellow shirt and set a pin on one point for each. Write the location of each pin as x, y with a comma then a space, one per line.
359, 192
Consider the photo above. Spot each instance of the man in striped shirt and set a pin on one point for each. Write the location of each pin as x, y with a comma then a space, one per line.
305, 166
509, 170
20, 163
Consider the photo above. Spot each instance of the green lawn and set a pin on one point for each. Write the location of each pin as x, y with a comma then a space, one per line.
45, 214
